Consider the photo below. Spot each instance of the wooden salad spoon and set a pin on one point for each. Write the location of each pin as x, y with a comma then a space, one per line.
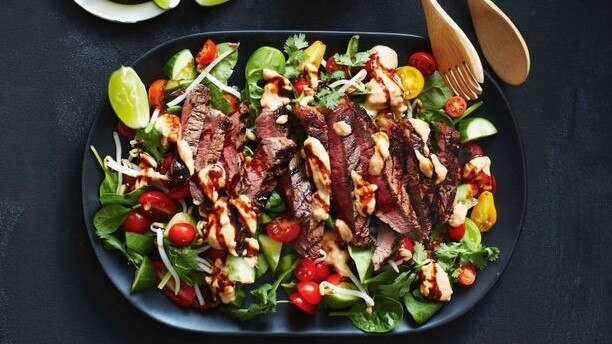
458, 61
502, 44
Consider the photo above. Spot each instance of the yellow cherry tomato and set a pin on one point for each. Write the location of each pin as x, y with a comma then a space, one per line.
412, 81
484, 213
315, 53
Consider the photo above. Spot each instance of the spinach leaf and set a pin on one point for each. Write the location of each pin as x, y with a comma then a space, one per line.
384, 316
399, 287
223, 71
435, 92
110, 183
129, 200
275, 203
362, 256
217, 100
262, 58
152, 139
112, 243
386, 275
141, 243
109, 218
420, 311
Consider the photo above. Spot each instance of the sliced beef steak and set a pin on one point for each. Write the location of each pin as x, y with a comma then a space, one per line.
212, 139
314, 122
199, 95
272, 123
448, 145
387, 242
231, 155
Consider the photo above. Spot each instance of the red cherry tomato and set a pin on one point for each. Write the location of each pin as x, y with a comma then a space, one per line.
156, 92
232, 101
181, 234
309, 291
300, 303
467, 275
207, 54
305, 269
283, 230
335, 279
125, 131
186, 295
136, 222
424, 62
331, 66
407, 244
322, 271
157, 205
300, 85
455, 106
473, 149
180, 192
456, 233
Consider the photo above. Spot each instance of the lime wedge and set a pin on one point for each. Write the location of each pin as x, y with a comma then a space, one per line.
209, 3
167, 4
128, 97
145, 277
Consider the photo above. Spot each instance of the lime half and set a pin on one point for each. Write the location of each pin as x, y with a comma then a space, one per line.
167, 4
209, 3
145, 277
128, 97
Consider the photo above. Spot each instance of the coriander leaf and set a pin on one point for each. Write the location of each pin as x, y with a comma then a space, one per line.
335, 75
420, 254
184, 260
352, 57
384, 316
294, 43
291, 72
109, 218
435, 92
464, 252
399, 287
329, 98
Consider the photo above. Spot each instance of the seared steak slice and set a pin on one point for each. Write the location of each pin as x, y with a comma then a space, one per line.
392, 201
193, 117
387, 242
199, 95
345, 156
314, 122
448, 144
270, 161
212, 139
234, 145
272, 123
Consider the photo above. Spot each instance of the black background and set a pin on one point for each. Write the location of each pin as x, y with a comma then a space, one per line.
54, 65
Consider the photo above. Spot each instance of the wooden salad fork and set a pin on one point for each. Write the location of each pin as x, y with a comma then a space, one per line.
458, 61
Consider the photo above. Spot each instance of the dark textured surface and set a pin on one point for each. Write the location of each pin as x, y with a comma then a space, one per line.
56, 60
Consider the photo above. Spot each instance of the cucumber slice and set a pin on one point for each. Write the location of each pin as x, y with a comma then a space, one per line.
209, 3
475, 128
241, 269
472, 233
335, 301
173, 86
271, 250
175, 110
145, 277
128, 97
167, 4
181, 66
141, 243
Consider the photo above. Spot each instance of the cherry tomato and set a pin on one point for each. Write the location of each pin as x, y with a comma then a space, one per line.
136, 222
309, 291
207, 54
283, 230
322, 271
335, 279
186, 295
300, 303
214, 254
412, 81
181, 234
408, 245
424, 62
473, 149
455, 106
156, 92
232, 101
331, 66
157, 205
125, 131
180, 192
467, 276
305, 269
456, 233
300, 85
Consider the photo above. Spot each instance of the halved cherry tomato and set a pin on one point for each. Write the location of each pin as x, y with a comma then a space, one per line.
231, 100
186, 295
322, 271
156, 92
335, 279
181, 234
207, 54
214, 254
283, 230
157, 205
456, 233
473, 149
300, 85
424, 62
309, 291
407, 244
302, 304
331, 66
467, 274
455, 106
412, 81
180, 192
305, 269
136, 222
125, 131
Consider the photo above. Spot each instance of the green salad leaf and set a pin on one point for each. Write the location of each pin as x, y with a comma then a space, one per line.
224, 69
352, 57
263, 58
463, 252
141, 243
185, 262
362, 257
294, 46
112, 243
110, 182
435, 93
399, 287
129, 200
384, 316
419, 308
275, 203
152, 139
217, 100
328, 97
109, 218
